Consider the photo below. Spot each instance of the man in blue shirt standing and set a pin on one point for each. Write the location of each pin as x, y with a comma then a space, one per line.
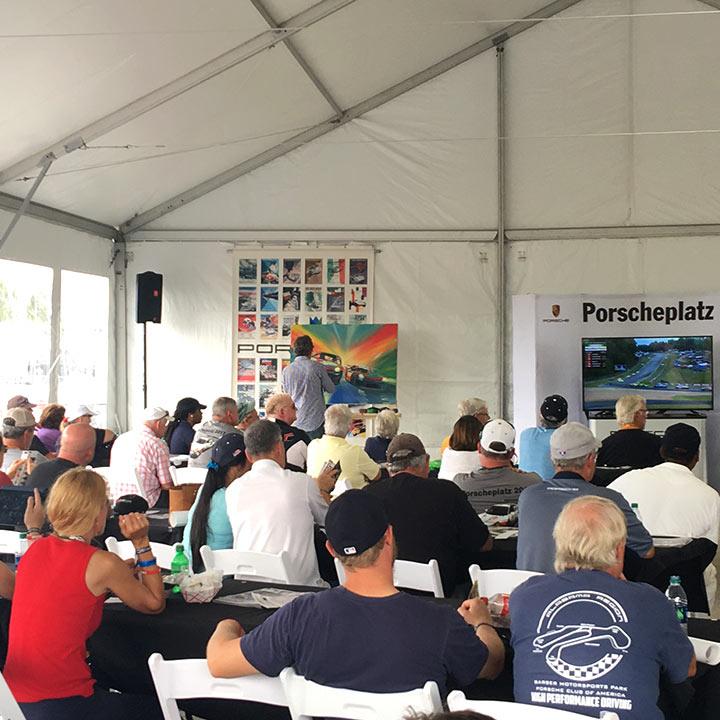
573, 449
306, 381
586, 639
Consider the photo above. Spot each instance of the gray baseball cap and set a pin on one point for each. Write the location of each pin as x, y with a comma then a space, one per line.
573, 440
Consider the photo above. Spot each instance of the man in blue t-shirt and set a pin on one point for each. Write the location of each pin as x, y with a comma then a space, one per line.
587, 640
535, 442
573, 449
365, 635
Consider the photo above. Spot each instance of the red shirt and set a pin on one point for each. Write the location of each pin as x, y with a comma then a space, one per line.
53, 614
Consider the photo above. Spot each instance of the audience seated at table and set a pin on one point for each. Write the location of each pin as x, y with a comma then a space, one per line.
208, 522
588, 628
48, 428
281, 409
180, 433
104, 438
141, 457
630, 446
431, 519
77, 447
273, 509
387, 424
535, 442
469, 406
357, 469
364, 635
573, 448
60, 588
462, 454
496, 481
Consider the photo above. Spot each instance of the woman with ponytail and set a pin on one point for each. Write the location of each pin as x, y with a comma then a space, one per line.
208, 522
179, 433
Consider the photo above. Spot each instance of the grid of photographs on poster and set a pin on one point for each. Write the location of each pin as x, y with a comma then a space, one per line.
277, 291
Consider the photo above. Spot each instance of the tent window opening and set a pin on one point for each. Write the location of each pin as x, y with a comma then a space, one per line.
25, 330
83, 352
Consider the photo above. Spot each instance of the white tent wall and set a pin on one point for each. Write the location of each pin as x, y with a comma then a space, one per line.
61, 248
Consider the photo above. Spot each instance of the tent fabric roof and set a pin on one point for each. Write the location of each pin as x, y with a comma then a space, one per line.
606, 125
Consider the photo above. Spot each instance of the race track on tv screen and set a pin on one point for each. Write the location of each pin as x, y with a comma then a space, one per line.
670, 373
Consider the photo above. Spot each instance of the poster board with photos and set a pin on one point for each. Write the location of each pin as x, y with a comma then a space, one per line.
361, 360
278, 289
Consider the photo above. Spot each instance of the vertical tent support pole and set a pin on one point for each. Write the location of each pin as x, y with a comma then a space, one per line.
501, 279
144, 364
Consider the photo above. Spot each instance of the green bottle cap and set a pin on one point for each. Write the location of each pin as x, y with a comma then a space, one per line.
179, 548
674, 579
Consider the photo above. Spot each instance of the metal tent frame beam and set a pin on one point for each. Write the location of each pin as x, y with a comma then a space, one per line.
176, 87
347, 116
12, 203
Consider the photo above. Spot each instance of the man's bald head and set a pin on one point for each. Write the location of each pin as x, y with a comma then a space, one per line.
77, 443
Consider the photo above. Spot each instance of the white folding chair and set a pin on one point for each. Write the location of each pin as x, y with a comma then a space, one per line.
408, 574
706, 651
184, 679
491, 582
124, 549
307, 699
190, 476
515, 711
9, 542
9, 709
248, 565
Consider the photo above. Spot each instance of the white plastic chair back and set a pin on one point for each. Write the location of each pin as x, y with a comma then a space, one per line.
408, 574
491, 582
248, 565
190, 475
124, 549
183, 679
515, 711
9, 709
706, 651
307, 699
9, 542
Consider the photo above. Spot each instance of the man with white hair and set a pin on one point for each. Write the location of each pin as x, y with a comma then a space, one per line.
497, 481
631, 445
140, 459
573, 449
356, 467
281, 409
387, 423
588, 640
470, 406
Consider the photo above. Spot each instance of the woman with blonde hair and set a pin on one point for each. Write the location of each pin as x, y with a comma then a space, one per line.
60, 587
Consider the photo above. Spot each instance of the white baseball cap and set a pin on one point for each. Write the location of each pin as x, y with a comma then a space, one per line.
498, 437
78, 411
155, 413
571, 441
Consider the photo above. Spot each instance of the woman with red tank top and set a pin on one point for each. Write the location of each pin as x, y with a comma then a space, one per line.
60, 588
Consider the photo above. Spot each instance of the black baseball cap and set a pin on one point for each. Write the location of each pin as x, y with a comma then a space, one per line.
186, 406
554, 408
355, 521
681, 439
229, 450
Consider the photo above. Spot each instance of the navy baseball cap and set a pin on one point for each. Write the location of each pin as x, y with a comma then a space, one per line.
229, 450
355, 521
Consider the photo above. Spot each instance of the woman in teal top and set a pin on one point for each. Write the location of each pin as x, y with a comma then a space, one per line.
208, 522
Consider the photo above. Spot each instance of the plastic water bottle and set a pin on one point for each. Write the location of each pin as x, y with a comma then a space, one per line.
678, 598
179, 566
22, 547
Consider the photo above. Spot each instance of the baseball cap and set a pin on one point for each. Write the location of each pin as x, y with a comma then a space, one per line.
78, 411
573, 440
19, 401
403, 447
245, 405
498, 437
229, 450
681, 439
554, 408
20, 417
187, 405
155, 413
355, 521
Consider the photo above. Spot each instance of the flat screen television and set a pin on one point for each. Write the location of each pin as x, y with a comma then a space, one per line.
671, 373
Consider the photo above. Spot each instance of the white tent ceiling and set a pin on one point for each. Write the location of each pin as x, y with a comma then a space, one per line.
612, 112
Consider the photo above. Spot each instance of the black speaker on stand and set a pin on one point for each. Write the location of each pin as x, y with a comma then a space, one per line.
149, 286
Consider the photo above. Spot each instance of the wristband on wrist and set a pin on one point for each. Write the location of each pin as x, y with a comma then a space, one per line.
480, 624
143, 550
153, 571
146, 563
34, 531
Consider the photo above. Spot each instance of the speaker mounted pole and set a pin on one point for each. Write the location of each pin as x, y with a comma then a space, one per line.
148, 309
